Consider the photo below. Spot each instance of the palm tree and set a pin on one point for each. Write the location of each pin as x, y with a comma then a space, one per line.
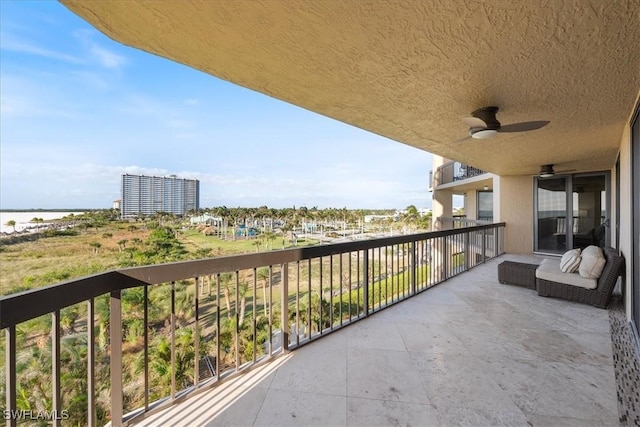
411, 216
96, 246
37, 221
121, 244
11, 223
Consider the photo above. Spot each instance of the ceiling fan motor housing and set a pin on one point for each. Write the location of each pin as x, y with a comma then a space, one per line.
488, 116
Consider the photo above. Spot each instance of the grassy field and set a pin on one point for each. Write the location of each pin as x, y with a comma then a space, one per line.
49, 260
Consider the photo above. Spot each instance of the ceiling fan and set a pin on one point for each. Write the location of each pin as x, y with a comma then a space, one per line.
484, 124
547, 171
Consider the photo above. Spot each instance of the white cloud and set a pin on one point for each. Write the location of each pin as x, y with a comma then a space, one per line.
106, 58
99, 54
16, 44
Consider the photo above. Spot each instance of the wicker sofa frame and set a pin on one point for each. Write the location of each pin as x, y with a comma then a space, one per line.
598, 297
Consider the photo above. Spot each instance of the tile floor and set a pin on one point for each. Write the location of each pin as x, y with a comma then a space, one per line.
467, 352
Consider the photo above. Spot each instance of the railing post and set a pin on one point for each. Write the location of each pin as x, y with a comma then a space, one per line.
284, 309
365, 292
10, 375
413, 265
496, 240
115, 338
56, 404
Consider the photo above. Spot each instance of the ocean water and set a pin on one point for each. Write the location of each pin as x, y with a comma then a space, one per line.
22, 219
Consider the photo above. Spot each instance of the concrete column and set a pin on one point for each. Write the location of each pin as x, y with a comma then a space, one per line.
471, 204
513, 204
442, 206
496, 198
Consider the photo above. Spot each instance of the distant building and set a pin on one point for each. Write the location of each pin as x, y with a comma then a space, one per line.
142, 194
116, 204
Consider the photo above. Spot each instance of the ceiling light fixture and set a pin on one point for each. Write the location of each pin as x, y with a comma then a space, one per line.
546, 171
486, 187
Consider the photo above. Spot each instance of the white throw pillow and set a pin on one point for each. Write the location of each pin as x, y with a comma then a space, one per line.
570, 261
592, 250
592, 262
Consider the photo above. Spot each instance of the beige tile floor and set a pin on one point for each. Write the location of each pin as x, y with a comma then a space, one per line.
467, 352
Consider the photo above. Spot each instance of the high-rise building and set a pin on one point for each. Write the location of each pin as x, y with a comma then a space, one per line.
142, 194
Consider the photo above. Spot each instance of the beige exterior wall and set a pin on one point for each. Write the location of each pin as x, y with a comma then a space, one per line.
516, 209
471, 204
442, 206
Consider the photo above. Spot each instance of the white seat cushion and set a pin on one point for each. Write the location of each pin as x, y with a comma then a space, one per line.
549, 270
592, 262
570, 261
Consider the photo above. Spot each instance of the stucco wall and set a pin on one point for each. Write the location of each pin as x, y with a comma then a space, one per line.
471, 204
516, 209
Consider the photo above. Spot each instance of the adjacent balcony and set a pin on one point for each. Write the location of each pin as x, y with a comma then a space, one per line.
452, 172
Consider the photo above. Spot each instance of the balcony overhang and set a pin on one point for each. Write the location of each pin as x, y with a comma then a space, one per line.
410, 71
469, 184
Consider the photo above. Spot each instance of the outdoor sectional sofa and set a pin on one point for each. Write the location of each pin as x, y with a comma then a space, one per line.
552, 282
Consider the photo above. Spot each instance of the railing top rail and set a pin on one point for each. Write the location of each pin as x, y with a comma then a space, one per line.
22, 306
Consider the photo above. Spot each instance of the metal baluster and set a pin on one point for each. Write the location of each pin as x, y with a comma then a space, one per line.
365, 279
253, 311
10, 375
331, 292
284, 311
270, 310
145, 321
321, 324
173, 340
237, 321
56, 403
341, 286
309, 322
297, 303
217, 327
484, 245
196, 335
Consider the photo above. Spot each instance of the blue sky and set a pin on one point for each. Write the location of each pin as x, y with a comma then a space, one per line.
78, 109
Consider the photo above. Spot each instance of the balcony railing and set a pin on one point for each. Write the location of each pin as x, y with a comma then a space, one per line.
143, 338
459, 221
454, 171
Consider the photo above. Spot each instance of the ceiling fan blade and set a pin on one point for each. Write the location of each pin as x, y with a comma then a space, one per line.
474, 122
524, 126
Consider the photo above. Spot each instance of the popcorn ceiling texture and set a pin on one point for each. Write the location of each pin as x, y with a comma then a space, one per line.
411, 70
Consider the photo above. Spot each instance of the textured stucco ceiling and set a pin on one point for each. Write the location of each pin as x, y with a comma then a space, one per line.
411, 70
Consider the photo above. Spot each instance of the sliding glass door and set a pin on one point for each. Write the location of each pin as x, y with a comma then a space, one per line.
551, 218
571, 212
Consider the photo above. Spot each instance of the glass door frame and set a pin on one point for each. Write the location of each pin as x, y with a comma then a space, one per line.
569, 208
